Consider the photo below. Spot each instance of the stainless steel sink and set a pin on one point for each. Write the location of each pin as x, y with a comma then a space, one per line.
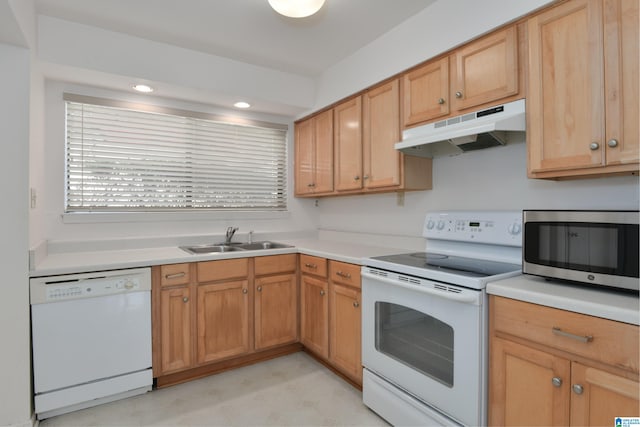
232, 247
263, 245
209, 249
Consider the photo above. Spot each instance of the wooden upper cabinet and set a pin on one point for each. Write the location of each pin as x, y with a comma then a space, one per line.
583, 90
348, 145
381, 130
486, 70
426, 92
314, 155
482, 72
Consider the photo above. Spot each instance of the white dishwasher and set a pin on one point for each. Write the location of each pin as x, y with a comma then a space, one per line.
91, 338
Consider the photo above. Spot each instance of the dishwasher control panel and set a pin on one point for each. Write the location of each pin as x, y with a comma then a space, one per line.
87, 285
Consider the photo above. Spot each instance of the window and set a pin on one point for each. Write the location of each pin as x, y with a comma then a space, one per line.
124, 157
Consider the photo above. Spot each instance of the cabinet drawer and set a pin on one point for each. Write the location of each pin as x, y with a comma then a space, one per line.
611, 342
174, 274
347, 274
275, 264
313, 265
209, 271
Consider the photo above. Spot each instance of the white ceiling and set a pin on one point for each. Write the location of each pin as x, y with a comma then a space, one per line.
246, 30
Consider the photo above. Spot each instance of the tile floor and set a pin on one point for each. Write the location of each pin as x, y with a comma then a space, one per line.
292, 390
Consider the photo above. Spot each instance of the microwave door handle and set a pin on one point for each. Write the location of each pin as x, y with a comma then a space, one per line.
464, 298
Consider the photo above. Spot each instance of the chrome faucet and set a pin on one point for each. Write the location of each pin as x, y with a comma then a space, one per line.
229, 235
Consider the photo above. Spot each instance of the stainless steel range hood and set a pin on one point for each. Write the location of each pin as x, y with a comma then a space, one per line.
472, 131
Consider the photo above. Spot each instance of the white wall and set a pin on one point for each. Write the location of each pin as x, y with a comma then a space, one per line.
300, 215
494, 178
15, 391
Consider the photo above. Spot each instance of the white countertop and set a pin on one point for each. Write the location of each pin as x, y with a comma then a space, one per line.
613, 305
88, 261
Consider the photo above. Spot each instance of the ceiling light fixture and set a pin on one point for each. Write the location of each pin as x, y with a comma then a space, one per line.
143, 88
242, 104
296, 8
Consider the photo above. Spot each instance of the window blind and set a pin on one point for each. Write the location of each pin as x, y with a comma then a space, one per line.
125, 159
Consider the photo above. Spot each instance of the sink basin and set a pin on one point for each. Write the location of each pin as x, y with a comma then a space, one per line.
263, 245
209, 249
232, 247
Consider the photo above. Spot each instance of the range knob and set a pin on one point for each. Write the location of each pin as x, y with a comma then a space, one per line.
440, 225
430, 224
515, 229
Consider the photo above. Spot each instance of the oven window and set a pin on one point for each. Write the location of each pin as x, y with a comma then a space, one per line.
415, 339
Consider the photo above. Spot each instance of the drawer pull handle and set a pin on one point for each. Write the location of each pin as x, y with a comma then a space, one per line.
560, 332
175, 275
306, 264
345, 275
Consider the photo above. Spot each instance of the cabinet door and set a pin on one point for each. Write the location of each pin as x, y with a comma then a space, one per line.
425, 93
223, 320
348, 145
621, 81
381, 130
566, 94
304, 168
175, 329
527, 386
276, 310
345, 331
323, 130
598, 397
486, 70
314, 313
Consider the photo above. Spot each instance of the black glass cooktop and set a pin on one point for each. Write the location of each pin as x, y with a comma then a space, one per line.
446, 263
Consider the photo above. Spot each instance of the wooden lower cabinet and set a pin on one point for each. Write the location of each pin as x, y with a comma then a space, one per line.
541, 378
276, 310
314, 314
175, 329
345, 330
223, 320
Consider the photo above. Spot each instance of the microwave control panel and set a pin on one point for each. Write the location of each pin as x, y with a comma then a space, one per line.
496, 227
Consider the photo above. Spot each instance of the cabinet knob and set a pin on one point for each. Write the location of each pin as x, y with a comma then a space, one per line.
356, 304
322, 292
594, 146
365, 177
612, 143
441, 101
259, 288
458, 94
577, 389
356, 178
245, 290
556, 381
185, 299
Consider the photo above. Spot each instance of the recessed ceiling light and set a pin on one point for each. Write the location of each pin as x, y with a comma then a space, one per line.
143, 88
242, 104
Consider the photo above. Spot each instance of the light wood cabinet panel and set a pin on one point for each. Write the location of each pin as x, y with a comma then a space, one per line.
348, 145
426, 93
174, 274
621, 47
522, 389
275, 264
314, 315
276, 310
313, 167
345, 273
209, 271
313, 265
486, 70
583, 89
573, 378
345, 331
603, 396
223, 320
175, 329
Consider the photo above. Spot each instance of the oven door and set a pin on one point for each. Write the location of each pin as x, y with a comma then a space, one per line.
427, 339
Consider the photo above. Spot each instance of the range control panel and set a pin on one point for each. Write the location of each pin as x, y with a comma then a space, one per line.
495, 227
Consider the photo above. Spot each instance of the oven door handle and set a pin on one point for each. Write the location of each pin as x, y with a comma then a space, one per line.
465, 297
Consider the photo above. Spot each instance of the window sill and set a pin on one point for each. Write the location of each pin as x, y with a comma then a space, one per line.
102, 217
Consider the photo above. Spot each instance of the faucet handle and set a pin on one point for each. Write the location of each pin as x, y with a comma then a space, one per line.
250, 236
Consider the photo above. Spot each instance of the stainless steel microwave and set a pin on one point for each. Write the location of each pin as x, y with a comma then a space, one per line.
595, 247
